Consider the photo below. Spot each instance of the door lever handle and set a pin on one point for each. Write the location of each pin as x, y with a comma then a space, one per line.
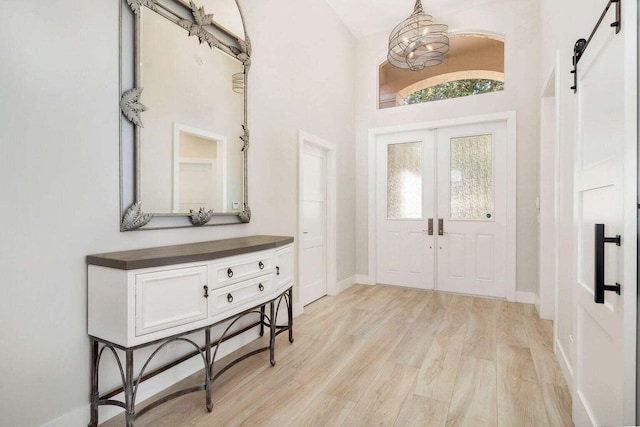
600, 287
440, 227
430, 230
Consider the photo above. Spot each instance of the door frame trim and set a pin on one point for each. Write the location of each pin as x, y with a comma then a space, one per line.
330, 149
510, 118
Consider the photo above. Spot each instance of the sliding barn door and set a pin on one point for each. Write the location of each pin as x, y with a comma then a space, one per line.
605, 239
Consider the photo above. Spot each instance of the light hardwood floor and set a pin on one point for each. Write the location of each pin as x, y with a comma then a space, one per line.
391, 357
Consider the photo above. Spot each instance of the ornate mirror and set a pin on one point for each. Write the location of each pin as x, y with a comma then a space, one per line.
184, 138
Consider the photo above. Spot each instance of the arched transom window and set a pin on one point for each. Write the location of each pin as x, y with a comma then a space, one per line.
473, 66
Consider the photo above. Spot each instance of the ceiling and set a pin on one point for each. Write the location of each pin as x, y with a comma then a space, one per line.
367, 17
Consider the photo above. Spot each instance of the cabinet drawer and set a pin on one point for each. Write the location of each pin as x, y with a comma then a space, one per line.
284, 266
233, 296
238, 268
169, 298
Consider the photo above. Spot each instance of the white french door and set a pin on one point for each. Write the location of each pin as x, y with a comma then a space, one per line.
405, 186
605, 191
472, 208
442, 209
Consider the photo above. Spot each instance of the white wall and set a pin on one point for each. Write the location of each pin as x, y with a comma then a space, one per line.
59, 171
517, 21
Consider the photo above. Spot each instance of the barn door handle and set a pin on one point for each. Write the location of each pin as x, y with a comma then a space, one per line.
600, 286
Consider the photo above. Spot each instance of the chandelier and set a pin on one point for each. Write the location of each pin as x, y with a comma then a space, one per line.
417, 43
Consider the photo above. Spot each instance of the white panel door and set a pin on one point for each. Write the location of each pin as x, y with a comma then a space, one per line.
472, 209
313, 258
405, 203
604, 380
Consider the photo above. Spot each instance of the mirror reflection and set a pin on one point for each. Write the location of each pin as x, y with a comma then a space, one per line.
190, 150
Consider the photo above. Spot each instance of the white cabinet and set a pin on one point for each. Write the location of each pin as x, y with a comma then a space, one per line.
131, 306
150, 297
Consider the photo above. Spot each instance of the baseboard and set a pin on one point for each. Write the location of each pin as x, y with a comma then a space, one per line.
565, 366
343, 285
362, 279
77, 417
526, 297
80, 416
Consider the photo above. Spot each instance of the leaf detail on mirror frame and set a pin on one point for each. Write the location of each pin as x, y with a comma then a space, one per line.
135, 5
201, 217
199, 15
131, 107
245, 215
134, 218
245, 138
197, 30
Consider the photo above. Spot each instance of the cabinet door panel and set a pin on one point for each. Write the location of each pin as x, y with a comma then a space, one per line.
284, 267
170, 298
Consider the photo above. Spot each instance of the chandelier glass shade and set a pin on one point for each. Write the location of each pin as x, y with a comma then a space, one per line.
417, 43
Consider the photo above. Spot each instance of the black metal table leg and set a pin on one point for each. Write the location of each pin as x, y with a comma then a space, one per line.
94, 383
208, 370
262, 320
128, 390
290, 314
272, 327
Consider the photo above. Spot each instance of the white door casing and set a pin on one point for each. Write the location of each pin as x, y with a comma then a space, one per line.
472, 205
317, 219
605, 192
406, 184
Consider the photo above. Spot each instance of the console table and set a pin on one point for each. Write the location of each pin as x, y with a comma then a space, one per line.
156, 296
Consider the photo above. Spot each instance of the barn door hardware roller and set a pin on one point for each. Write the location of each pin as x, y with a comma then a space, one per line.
582, 44
600, 287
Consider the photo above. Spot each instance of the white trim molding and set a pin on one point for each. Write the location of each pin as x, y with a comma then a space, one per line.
342, 285
526, 297
363, 279
510, 118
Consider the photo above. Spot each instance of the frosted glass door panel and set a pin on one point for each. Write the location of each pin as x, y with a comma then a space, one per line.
404, 181
472, 178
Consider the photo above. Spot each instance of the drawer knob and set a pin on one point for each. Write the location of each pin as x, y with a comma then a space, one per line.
230, 273
230, 298
261, 287
261, 265
206, 291
277, 271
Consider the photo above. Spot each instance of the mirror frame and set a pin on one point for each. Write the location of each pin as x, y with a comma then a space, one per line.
198, 23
